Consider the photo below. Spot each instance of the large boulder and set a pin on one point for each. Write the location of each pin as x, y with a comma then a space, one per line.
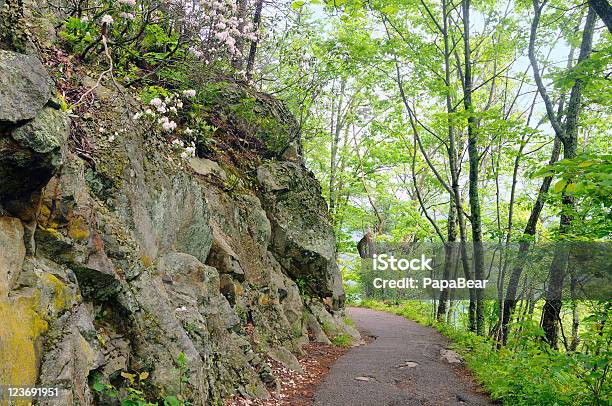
262, 122
25, 86
303, 238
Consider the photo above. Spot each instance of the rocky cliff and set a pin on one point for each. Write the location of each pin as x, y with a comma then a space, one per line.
123, 264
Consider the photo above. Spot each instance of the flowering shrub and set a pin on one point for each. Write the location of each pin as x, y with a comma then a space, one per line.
163, 109
144, 34
142, 40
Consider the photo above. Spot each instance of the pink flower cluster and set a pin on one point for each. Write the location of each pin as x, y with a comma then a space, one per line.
219, 28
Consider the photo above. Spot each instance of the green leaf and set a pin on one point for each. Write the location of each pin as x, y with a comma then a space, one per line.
98, 387
298, 4
171, 401
559, 186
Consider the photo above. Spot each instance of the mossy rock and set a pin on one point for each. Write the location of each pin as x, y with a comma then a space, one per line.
258, 119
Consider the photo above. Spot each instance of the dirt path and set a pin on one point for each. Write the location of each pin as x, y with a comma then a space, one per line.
402, 366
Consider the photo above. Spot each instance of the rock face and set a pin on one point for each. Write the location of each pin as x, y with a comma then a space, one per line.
303, 238
31, 136
189, 276
25, 86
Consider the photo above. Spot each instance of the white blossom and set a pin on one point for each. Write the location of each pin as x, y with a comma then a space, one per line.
169, 125
107, 19
189, 93
127, 16
131, 3
156, 102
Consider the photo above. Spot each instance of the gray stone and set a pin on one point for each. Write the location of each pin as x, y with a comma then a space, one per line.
223, 257
292, 153
46, 133
285, 357
315, 329
70, 360
332, 324
206, 167
303, 238
25, 86
450, 356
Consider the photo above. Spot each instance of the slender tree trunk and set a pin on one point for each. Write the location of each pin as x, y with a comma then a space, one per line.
474, 162
449, 259
335, 140
453, 159
552, 306
575, 313
253, 48
530, 228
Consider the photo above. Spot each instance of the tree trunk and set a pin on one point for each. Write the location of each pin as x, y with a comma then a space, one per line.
604, 10
335, 140
575, 313
453, 158
238, 60
449, 260
552, 306
253, 49
530, 229
474, 162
